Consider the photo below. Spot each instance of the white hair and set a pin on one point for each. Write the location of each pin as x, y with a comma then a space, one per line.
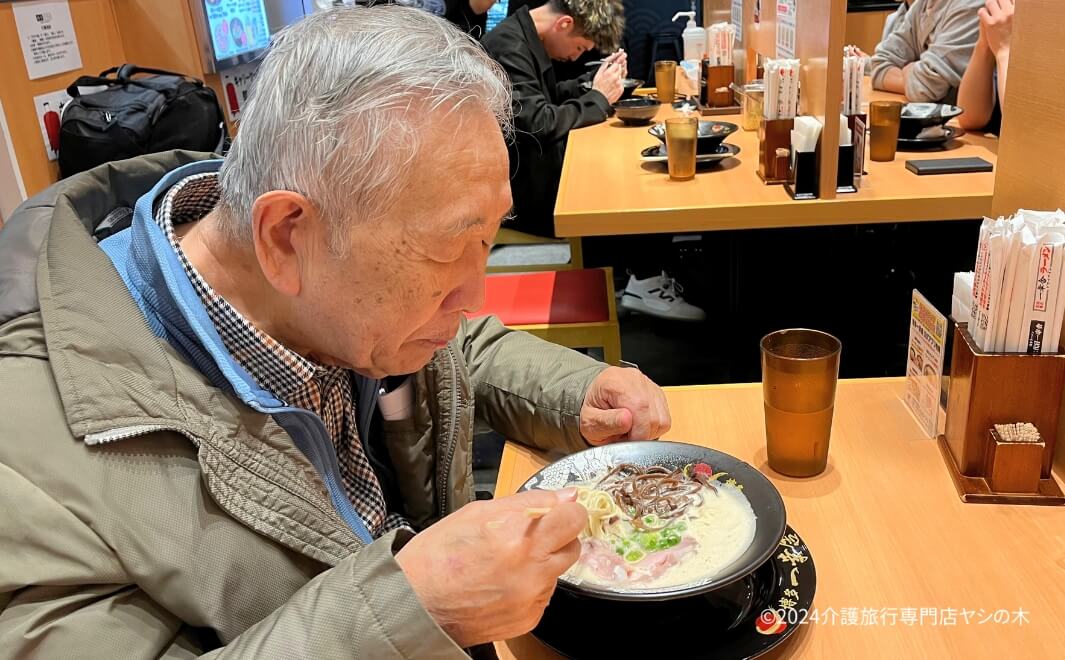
337, 107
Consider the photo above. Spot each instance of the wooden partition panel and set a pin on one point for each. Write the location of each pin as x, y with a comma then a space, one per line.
819, 45
1033, 123
819, 29
864, 29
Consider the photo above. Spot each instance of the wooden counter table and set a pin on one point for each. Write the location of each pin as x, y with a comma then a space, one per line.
886, 530
606, 190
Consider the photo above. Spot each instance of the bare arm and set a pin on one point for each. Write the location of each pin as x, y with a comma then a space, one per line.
481, 6
1003, 64
976, 93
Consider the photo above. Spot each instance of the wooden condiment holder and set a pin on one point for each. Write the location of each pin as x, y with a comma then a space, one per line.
999, 388
716, 96
774, 134
1013, 467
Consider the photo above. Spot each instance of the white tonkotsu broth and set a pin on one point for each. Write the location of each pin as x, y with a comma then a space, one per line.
722, 527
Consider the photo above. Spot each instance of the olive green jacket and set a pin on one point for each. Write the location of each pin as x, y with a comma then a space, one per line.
144, 513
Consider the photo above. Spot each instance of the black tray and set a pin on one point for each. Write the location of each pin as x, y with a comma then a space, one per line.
726, 624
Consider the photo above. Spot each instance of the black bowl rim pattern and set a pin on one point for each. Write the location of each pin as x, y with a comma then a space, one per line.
939, 117
730, 128
634, 102
584, 465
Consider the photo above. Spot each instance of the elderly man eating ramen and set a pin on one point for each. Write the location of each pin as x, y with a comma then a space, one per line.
237, 396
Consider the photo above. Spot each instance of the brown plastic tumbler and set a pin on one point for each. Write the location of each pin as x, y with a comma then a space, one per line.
666, 80
799, 372
884, 118
682, 135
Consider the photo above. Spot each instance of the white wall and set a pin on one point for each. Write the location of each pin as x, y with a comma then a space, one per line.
12, 190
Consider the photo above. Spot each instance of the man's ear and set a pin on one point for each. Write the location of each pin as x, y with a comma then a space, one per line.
563, 24
285, 230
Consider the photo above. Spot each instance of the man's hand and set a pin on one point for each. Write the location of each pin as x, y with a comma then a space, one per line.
609, 76
623, 404
486, 572
996, 24
621, 60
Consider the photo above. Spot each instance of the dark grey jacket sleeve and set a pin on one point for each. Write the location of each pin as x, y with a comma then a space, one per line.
574, 88
534, 112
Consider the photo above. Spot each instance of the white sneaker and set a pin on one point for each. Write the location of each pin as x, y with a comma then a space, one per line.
659, 296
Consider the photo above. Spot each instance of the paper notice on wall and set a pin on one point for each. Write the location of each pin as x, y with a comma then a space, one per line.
46, 33
924, 363
786, 12
737, 20
49, 109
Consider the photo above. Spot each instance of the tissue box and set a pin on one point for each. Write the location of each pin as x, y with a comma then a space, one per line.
959, 311
963, 290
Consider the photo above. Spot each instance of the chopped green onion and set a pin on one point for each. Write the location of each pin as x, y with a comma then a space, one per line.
634, 555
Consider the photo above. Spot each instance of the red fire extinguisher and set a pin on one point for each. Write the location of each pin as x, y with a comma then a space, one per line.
51, 126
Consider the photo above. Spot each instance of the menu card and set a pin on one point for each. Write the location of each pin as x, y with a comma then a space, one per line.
924, 362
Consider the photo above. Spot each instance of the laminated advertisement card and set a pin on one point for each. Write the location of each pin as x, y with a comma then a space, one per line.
924, 362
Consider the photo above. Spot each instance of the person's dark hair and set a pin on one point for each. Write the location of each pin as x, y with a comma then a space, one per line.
602, 21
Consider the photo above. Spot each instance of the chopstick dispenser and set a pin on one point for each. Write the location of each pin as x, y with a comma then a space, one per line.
774, 147
989, 389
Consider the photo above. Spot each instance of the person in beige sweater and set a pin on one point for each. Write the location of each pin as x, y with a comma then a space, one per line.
927, 50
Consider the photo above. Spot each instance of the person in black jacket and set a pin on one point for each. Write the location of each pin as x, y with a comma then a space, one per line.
471, 16
545, 111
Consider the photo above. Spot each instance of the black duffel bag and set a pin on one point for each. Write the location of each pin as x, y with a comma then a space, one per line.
137, 116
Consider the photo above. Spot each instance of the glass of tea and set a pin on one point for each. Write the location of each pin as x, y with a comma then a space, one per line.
682, 134
884, 118
666, 80
799, 372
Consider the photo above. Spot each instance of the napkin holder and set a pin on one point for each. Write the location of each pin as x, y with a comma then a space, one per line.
998, 388
858, 125
716, 96
845, 170
774, 135
803, 178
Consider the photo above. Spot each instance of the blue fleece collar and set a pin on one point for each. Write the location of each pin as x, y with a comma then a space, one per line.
153, 273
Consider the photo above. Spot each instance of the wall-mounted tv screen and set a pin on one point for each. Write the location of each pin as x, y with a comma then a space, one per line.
236, 27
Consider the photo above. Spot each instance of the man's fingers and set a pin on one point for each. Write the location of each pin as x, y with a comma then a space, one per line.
559, 527
598, 425
566, 556
661, 414
535, 499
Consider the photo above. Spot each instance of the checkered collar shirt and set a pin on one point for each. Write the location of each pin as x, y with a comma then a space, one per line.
324, 390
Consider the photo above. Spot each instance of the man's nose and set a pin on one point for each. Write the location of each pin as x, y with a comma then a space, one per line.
468, 297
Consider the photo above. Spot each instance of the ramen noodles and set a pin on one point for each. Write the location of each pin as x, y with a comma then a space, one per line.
652, 527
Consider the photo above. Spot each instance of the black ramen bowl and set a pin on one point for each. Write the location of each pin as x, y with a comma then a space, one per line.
711, 134
592, 463
636, 111
918, 116
629, 85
